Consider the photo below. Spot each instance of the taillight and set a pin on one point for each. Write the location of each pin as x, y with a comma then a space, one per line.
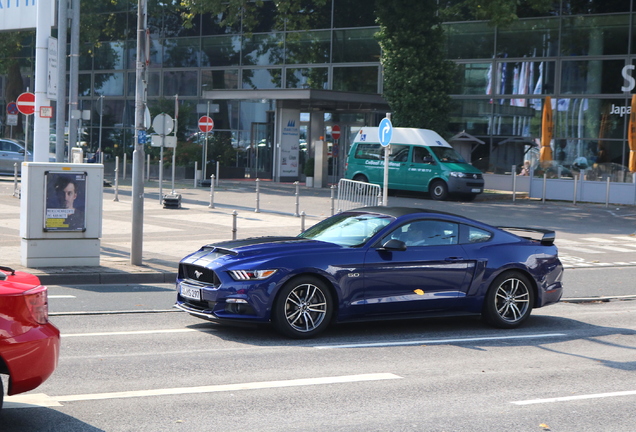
37, 303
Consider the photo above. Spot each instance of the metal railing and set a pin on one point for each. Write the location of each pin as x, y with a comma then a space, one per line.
354, 194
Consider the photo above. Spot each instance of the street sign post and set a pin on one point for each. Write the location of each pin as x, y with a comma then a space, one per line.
12, 108
163, 125
385, 133
335, 132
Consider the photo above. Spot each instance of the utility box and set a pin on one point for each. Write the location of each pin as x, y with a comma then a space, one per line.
61, 214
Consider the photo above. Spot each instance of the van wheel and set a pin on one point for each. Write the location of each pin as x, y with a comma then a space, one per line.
360, 178
438, 190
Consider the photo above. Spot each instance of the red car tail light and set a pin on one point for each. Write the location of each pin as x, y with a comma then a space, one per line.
37, 304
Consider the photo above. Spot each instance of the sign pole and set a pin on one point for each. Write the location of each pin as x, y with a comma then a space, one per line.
385, 132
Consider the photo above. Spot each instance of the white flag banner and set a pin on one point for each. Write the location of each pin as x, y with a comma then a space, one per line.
22, 14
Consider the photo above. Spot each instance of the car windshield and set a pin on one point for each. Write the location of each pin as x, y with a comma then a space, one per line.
347, 229
447, 154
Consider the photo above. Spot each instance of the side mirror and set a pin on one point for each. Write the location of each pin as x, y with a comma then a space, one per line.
393, 245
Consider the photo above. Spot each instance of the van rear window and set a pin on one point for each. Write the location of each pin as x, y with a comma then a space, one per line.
369, 151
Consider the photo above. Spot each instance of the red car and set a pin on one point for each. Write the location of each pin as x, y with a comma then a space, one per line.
29, 343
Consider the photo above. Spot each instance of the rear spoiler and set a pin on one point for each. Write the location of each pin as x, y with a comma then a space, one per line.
547, 236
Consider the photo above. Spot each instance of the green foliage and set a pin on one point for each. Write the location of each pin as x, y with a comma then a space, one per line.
417, 76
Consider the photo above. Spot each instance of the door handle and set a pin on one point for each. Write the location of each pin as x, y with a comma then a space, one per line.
453, 259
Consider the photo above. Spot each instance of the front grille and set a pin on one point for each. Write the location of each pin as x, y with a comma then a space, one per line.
198, 274
469, 184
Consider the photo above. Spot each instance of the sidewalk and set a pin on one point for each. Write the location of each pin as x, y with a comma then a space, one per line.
171, 234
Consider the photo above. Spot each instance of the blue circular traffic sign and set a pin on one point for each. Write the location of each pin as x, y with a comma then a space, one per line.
12, 108
385, 132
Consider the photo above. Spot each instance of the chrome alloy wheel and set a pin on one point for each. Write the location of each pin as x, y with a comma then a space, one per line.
512, 300
305, 307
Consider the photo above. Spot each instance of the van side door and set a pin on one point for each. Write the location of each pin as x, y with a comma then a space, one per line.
421, 168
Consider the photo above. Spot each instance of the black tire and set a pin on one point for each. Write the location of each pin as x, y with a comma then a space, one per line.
360, 178
303, 308
509, 300
438, 190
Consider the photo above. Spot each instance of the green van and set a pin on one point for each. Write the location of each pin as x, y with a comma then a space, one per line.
419, 160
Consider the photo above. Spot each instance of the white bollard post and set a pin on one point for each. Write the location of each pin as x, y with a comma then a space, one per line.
234, 216
211, 191
302, 221
116, 179
258, 203
297, 198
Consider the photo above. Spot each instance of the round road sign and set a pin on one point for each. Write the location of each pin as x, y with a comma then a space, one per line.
26, 103
385, 132
335, 132
163, 124
206, 124
12, 108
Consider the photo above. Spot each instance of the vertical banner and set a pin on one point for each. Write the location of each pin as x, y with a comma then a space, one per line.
65, 201
289, 142
51, 72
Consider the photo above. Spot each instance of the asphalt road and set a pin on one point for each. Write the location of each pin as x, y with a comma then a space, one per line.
570, 368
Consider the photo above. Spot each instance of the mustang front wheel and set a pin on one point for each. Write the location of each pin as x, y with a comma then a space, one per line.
509, 300
303, 308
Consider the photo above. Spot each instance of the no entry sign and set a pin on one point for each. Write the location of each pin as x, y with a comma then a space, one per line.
26, 103
335, 132
206, 124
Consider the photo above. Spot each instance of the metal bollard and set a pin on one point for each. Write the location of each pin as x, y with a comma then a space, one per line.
116, 179
258, 198
333, 198
297, 198
234, 216
607, 193
514, 183
575, 186
16, 193
148, 168
545, 181
302, 221
211, 191
125, 163
196, 165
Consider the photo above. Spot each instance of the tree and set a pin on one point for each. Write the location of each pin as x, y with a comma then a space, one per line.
417, 76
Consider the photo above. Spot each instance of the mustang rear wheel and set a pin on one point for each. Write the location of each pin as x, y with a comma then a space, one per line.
509, 300
303, 308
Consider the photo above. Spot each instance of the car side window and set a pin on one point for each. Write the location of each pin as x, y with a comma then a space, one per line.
421, 155
426, 233
471, 234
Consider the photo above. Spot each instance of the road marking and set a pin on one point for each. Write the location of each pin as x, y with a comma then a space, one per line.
30, 400
581, 250
572, 398
614, 248
127, 333
61, 296
441, 341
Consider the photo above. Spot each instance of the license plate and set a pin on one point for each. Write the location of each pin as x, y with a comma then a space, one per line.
475, 190
189, 292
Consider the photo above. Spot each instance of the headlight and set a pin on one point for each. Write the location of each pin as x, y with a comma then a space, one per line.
244, 275
458, 174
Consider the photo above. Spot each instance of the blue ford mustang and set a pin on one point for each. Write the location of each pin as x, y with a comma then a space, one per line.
374, 263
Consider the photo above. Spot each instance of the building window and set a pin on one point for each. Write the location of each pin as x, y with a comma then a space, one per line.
181, 52
109, 84
307, 78
220, 79
469, 40
353, 13
182, 83
153, 84
362, 79
596, 35
529, 38
262, 78
110, 55
592, 76
357, 45
307, 47
523, 78
221, 51
263, 49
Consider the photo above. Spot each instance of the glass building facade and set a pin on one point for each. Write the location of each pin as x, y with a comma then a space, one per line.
580, 53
